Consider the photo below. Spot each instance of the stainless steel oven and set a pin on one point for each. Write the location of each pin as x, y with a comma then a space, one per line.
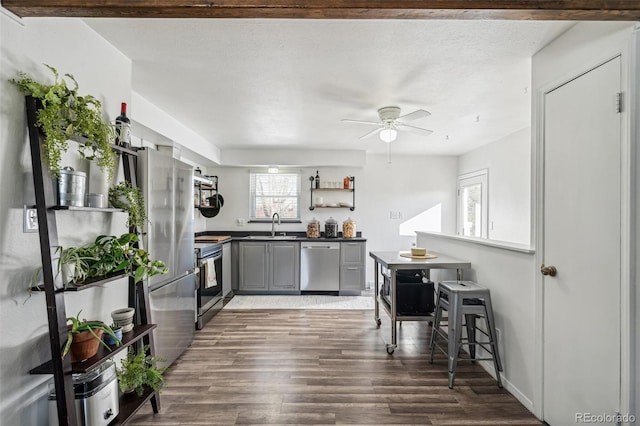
209, 293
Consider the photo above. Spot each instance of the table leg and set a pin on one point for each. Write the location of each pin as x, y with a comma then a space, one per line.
394, 330
376, 290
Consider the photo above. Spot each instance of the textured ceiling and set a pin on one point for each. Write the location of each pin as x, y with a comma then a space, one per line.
287, 83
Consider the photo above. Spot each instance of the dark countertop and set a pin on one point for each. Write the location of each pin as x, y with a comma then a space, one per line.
266, 236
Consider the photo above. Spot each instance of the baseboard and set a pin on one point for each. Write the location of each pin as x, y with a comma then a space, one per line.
488, 367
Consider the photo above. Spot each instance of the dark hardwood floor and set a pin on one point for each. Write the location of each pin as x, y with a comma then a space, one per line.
323, 367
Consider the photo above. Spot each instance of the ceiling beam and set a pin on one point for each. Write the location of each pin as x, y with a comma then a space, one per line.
573, 10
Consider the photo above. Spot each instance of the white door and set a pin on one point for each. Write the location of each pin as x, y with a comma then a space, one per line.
582, 139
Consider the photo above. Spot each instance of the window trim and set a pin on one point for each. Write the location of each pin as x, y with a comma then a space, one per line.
252, 195
482, 177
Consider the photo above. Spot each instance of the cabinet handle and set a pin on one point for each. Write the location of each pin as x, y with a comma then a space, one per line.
353, 268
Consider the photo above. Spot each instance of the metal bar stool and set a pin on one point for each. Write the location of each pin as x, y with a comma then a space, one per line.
468, 299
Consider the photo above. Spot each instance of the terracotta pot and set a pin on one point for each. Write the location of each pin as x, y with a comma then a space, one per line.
84, 345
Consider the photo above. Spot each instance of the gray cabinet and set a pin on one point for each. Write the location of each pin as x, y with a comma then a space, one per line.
253, 266
352, 267
269, 267
226, 269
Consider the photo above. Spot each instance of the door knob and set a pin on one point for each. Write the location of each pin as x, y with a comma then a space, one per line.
548, 270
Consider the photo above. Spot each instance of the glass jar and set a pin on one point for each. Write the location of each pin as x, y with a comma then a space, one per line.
313, 228
348, 228
331, 228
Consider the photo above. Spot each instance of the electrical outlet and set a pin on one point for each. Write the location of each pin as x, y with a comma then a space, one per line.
393, 215
400, 215
29, 219
240, 221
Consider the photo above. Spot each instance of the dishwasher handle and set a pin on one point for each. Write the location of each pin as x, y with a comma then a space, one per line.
325, 247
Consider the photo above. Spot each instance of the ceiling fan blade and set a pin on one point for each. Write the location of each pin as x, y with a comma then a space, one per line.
371, 133
348, 120
414, 129
419, 113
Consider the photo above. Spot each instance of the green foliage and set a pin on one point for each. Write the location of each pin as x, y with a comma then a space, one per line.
107, 255
124, 196
111, 254
67, 115
139, 370
78, 326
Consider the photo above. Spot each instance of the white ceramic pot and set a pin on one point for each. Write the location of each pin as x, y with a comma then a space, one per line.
123, 318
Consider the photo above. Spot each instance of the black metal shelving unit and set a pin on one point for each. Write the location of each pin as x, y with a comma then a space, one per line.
209, 185
352, 190
138, 294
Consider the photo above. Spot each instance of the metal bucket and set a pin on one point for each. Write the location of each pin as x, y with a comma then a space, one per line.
71, 187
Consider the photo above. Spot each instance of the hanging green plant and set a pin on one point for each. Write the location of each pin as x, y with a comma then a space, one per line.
124, 196
66, 115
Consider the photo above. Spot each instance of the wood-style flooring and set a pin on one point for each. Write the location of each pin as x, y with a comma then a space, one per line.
323, 367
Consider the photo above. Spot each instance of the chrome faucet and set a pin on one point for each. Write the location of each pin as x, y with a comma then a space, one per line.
273, 223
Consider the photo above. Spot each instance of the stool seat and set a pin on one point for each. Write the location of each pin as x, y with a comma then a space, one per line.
472, 301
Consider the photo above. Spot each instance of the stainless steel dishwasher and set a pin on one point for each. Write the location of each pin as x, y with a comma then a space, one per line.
319, 266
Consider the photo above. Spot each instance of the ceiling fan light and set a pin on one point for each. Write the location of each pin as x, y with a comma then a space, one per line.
388, 135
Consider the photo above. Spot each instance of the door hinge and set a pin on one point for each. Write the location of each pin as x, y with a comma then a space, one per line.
619, 102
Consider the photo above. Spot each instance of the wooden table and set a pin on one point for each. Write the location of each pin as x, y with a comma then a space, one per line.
394, 262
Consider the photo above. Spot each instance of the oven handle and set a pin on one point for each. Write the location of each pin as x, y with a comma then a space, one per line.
215, 257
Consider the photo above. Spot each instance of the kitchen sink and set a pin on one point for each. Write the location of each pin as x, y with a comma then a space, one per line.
269, 237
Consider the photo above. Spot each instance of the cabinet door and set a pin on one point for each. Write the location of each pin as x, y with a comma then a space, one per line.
352, 253
352, 264
352, 279
253, 266
226, 269
285, 266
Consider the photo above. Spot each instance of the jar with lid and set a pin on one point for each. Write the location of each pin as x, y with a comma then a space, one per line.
348, 228
331, 228
313, 228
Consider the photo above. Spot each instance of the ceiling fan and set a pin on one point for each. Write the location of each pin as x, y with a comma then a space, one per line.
391, 122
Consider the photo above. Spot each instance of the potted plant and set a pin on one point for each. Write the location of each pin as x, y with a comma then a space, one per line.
84, 337
124, 196
117, 331
64, 115
73, 263
115, 254
139, 370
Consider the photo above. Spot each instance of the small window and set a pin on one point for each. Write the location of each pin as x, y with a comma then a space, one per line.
473, 204
274, 193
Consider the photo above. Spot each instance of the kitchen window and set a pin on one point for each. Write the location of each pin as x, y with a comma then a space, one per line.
473, 203
274, 193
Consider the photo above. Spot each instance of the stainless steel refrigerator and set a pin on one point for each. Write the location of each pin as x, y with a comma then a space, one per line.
167, 185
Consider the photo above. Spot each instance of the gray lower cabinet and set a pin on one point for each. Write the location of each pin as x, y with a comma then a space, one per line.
352, 267
226, 269
269, 267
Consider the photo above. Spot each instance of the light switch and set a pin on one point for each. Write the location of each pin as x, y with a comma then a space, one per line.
29, 219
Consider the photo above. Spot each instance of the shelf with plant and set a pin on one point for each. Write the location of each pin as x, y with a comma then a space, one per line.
66, 115
128, 339
107, 258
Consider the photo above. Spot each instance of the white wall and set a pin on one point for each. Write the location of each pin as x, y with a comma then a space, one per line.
409, 185
510, 277
635, 253
71, 47
509, 163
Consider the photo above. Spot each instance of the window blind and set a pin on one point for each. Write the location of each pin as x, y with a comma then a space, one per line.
274, 193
